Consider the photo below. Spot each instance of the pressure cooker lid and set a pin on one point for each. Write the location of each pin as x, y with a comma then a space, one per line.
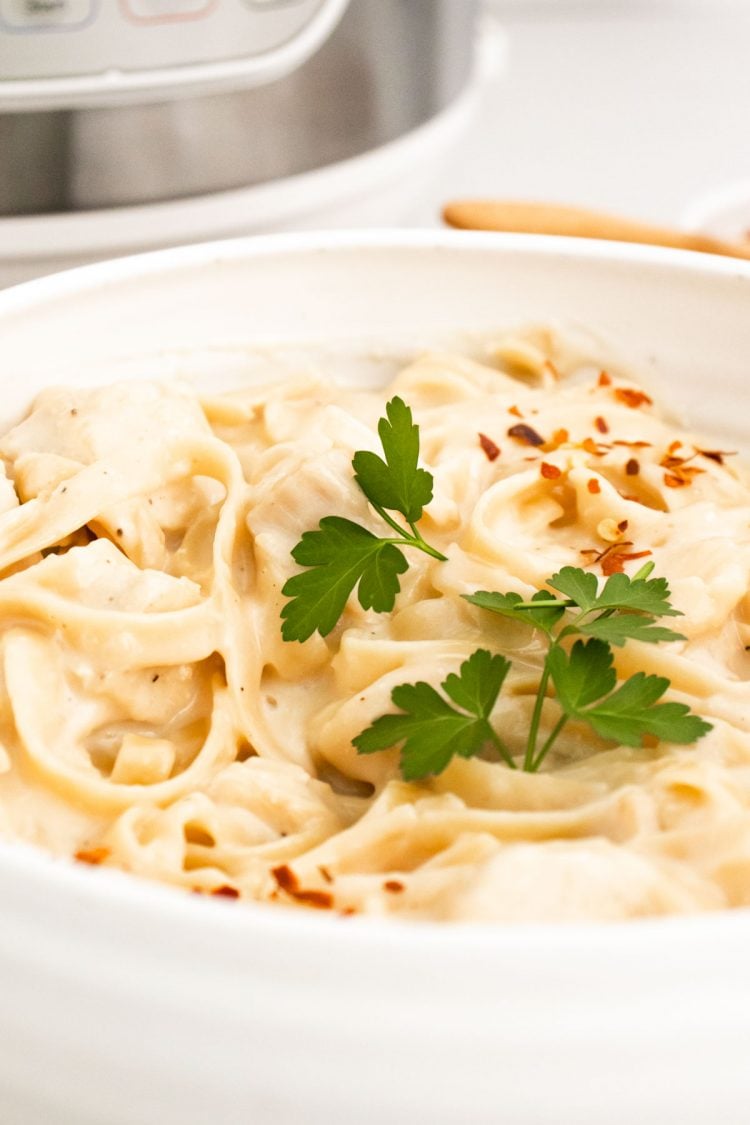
66, 53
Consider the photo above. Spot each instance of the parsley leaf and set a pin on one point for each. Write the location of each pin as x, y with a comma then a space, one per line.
433, 732
396, 483
513, 606
579, 585
628, 626
341, 554
626, 607
584, 681
645, 595
584, 676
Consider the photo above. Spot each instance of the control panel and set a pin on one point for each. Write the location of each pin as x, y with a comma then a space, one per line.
56, 53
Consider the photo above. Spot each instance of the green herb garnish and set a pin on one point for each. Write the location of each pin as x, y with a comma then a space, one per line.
431, 730
342, 555
584, 679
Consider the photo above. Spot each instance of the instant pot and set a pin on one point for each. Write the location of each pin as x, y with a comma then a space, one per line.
128, 124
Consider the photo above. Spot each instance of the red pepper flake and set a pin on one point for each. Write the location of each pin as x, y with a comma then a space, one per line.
632, 468
601, 425
523, 433
614, 557
633, 444
615, 561
225, 891
320, 900
593, 486
559, 437
549, 472
491, 450
289, 882
395, 886
92, 856
286, 878
631, 397
325, 873
604, 379
717, 455
516, 411
622, 526
649, 741
681, 475
347, 912
596, 449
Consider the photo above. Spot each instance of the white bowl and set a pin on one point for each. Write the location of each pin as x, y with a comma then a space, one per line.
125, 1004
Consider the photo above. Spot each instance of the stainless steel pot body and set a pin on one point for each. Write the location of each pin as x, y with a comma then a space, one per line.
389, 66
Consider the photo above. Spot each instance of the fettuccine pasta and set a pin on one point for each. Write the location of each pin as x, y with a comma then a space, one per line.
153, 719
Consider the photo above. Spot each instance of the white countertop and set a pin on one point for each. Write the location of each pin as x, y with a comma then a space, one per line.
632, 107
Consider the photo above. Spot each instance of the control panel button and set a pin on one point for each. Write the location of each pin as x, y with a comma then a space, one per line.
160, 11
32, 15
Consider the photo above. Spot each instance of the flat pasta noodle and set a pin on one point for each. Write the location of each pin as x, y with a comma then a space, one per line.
152, 717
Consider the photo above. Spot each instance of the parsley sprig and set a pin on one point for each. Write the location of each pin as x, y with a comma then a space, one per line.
584, 678
431, 727
342, 555
431, 730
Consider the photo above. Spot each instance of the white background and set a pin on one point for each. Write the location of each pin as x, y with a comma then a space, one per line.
630, 106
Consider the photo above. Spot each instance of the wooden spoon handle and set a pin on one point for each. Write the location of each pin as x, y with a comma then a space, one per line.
550, 218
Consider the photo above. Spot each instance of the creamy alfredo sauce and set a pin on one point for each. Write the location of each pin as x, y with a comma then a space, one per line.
153, 719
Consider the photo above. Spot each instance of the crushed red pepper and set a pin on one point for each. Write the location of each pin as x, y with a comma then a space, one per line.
559, 437
717, 455
633, 444
632, 398
92, 856
679, 472
601, 424
597, 449
225, 891
525, 434
615, 561
286, 878
550, 472
604, 379
516, 411
288, 881
395, 886
632, 467
613, 558
491, 450
593, 485
320, 900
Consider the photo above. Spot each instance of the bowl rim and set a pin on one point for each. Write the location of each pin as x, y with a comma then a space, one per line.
106, 889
